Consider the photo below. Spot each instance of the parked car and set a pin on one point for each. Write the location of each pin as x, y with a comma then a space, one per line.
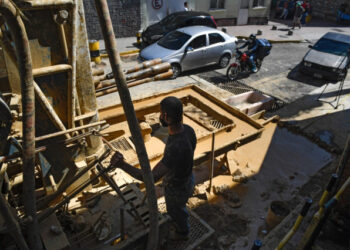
174, 21
192, 47
329, 58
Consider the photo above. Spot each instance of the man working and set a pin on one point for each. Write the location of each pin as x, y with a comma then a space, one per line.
252, 44
176, 165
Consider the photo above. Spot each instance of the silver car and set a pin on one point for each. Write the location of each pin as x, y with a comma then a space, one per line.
192, 47
329, 58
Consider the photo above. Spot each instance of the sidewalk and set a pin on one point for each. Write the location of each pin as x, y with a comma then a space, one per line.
310, 32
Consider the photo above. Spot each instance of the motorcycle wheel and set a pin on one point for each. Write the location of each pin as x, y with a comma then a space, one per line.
233, 72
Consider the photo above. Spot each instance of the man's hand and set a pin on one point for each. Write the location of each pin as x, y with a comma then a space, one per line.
117, 160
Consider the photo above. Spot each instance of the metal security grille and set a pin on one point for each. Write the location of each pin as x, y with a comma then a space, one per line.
122, 144
199, 231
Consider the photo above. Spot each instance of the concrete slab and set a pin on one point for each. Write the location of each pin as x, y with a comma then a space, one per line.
276, 167
319, 117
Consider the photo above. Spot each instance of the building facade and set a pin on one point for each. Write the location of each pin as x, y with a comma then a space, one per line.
234, 12
327, 9
129, 16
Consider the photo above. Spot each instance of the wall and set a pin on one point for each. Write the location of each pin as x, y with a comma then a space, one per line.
228, 16
326, 8
125, 15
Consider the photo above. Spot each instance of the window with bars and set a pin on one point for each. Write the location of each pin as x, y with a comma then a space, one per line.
258, 3
217, 4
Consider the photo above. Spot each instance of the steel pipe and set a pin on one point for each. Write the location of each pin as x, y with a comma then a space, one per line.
49, 70
143, 65
24, 60
114, 58
156, 69
168, 74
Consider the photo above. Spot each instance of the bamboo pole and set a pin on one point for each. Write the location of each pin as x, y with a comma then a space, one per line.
114, 58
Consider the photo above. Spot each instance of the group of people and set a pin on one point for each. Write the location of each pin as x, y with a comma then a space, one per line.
297, 10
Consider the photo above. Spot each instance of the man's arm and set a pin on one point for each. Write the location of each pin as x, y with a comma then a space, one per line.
158, 171
252, 50
244, 45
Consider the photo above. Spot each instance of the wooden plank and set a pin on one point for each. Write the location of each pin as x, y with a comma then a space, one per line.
53, 241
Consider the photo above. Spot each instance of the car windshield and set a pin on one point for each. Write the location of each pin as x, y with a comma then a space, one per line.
174, 40
332, 47
168, 20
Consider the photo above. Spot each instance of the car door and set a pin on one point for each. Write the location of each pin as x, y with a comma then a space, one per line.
215, 48
195, 53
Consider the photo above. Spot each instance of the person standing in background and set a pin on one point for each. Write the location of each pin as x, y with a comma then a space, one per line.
186, 6
299, 10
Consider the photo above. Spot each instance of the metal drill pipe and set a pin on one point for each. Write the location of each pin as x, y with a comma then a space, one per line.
72, 88
24, 60
143, 65
114, 58
156, 69
97, 72
168, 74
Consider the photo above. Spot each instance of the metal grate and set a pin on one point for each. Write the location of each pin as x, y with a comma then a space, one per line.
122, 144
199, 231
216, 124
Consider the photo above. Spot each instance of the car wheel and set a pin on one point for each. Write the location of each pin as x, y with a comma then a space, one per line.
176, 70
224, 60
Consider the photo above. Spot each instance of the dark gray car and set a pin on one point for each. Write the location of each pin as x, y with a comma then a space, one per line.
329, 58
192, 47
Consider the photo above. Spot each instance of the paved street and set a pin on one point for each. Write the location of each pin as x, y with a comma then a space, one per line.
278, 75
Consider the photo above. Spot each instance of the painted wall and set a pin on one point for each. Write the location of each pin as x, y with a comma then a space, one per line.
231, 8
125, 15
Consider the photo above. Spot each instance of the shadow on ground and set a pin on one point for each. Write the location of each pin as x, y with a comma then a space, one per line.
296, 75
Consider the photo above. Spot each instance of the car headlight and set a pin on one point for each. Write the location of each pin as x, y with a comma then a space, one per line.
307, 64
337, 70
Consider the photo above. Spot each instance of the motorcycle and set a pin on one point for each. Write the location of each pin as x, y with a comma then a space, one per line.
241, 65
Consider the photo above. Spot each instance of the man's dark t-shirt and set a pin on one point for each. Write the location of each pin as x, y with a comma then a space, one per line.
178, 157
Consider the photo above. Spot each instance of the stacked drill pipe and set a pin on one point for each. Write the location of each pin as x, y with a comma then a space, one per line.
157, 77
148, 71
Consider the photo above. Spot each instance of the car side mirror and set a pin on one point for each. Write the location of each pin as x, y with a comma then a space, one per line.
310, 46
189, 48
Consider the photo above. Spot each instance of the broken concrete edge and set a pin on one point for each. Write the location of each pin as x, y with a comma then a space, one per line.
275, 41
296, 129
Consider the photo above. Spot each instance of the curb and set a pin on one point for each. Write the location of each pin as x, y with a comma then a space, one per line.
274, 41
